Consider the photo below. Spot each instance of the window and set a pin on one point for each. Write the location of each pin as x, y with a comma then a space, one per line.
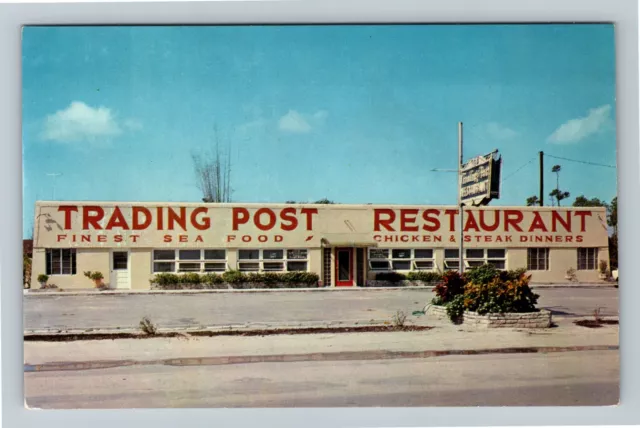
475, 257
272, 260
537, 259
384, 260
189, 261
587, 258
451, 259
61, 261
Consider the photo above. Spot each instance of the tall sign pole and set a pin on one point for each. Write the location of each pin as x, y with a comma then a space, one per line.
541, 179
460, 204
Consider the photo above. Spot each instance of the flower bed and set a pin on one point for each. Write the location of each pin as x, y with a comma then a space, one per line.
233, 280
487, 295
540, 319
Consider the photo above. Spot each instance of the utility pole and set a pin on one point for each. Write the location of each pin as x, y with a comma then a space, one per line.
460, 204
541, 179
54, 175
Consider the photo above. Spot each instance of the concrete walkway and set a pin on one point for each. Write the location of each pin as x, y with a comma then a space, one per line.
441, 338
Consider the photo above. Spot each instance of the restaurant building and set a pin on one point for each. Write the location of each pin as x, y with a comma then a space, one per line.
346, 245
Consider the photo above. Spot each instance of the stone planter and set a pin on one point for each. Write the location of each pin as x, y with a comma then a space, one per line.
540, 319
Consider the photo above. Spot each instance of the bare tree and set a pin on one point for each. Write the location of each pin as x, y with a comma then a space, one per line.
213, 174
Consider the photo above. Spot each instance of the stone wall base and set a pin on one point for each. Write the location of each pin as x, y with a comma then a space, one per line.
541, 319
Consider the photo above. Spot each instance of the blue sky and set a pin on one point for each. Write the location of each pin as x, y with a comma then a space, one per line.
357, 114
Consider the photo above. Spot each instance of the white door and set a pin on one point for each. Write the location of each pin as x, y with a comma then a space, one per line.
120, 269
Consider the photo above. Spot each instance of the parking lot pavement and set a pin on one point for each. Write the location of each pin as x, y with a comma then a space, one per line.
221, 309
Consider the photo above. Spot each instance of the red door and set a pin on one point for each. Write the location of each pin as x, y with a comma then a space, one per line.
344, 267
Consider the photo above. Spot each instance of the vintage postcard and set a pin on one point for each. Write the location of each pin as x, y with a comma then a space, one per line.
320, 216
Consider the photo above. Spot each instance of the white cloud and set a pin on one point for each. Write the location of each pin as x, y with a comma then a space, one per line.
80, 122
499, 132
577, 129
294, 122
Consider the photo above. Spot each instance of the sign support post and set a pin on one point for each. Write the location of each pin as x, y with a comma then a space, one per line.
460, 204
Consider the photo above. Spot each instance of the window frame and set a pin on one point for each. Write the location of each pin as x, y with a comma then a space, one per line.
176, 261
453, 263
537, 258
73, 261
284, 262
391, 258
587, 251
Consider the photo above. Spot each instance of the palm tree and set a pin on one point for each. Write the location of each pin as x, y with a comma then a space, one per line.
559, 195
532, 201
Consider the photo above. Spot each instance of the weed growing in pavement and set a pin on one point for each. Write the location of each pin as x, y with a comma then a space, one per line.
147, 326
596, 316
399, 319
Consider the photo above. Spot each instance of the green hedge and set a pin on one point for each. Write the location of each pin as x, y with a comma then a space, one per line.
237, 279
425, 276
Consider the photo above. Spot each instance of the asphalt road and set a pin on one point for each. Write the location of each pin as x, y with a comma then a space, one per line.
221, 309
558, 379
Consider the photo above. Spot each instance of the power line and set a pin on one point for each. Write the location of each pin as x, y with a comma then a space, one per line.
579, 161
517, 170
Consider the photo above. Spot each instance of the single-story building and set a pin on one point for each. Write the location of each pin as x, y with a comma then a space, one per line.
346, 245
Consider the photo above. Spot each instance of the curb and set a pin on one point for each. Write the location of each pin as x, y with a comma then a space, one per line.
27, 292
212, 291
319, 356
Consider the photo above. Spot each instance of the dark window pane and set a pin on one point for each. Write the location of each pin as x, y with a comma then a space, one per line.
401, 254
401, 265
120, 260
378, 253
273, 254
163, 267
214, 267
73, 262
475, 263
49, 268
249, 254
56, 262
344, 265
296, 254
422, 265
164, 254
496, 254
296, 266
379, 265
423, 254
451, 254
273, 266
215, 255
249, 267
499, 264
188, 267
474, 253
189, 254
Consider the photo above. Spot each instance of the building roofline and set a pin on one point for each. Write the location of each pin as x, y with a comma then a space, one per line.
278, 205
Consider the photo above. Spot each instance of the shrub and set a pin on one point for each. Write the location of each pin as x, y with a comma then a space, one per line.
482, 274
26, 271
298, 277
451, 285
211, 278
390, 276
190, 278
455, 308
43, 278
234, 277
499, 296
94, 276
512, 275
424, 276
166, 279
